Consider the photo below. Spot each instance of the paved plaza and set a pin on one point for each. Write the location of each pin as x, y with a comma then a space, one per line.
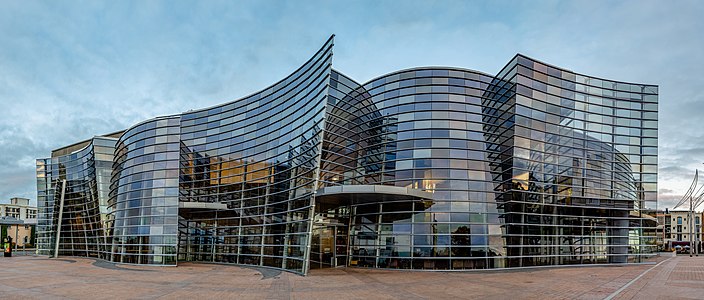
29, 277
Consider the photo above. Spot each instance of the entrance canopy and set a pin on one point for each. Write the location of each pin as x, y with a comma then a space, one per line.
203, 209
10, 221
359, 194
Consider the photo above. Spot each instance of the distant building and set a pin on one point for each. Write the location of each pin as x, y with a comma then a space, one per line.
19, 209
678, 223
666, 227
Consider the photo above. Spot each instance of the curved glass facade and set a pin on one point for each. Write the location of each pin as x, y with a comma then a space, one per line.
426, 134
575, 163
86, 168
144, 193
258, 156
425, 168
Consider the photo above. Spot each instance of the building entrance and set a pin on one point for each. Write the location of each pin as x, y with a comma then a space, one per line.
197, 241
329, 246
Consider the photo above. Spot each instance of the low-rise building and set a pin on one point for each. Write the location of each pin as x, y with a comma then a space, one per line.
19, 210
681, 227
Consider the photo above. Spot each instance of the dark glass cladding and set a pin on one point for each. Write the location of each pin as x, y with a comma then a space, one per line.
426, 168
422, 130
574, 159
85, 213
144, 193
259, 158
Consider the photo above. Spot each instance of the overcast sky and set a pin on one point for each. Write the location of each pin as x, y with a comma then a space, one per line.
73, 69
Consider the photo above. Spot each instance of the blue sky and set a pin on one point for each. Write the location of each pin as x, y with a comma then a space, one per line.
73, 69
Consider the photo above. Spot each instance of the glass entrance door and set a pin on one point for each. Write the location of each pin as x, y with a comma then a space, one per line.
196, 241
328, 247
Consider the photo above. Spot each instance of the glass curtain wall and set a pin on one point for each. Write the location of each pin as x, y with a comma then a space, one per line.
259, 156
425, 168
575, 164
424, 132
144, 193
85, 213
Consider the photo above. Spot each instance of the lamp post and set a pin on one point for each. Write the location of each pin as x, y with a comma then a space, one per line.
691, 224
689, 219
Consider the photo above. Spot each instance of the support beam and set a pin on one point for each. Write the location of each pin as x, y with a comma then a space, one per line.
61, 214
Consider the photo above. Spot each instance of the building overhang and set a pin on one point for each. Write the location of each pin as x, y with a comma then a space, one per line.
10, 221
359, 194
201, 205
186, 209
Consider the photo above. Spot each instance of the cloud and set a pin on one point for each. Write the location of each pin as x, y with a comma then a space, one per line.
70, 71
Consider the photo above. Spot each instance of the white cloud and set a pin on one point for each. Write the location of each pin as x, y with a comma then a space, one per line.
69, 72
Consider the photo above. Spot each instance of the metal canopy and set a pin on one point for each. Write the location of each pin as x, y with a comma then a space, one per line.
356, 194
202, 205
10, 221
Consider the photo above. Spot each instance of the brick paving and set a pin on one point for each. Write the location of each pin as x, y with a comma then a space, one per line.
677, 278
28, 277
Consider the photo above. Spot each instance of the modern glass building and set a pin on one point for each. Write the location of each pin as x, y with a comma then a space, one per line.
426, 168
86, 167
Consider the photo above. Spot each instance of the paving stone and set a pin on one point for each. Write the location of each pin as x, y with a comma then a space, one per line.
30, 277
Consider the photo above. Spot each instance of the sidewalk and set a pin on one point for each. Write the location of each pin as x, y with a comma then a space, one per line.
28, 277
681, 277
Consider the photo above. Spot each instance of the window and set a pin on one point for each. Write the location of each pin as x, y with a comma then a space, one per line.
12, 212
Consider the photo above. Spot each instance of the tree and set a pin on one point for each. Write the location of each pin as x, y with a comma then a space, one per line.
460, 237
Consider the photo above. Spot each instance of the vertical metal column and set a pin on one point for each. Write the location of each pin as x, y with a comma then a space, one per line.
333, 257
664, 221
188, 241
61, 214
214, 238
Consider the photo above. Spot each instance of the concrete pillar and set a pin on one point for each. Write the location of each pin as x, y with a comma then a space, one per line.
618, 237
